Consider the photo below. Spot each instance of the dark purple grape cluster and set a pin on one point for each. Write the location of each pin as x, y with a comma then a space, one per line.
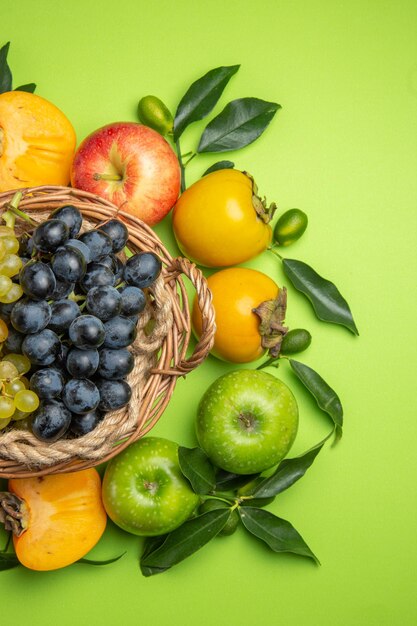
77, 319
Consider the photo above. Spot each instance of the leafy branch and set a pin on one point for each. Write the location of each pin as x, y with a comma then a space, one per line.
240, 122
229, 493
6, 79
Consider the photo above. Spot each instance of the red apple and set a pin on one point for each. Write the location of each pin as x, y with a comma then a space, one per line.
131, 165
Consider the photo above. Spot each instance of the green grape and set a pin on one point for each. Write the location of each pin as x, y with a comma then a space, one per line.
26, 401
7, 407
6, 231
15, 292
20, 415
4, 421
5, 284
3, 249
20, 361
22, 424
8, 371
11, 243
13, 387
10, 265
25, 381
4, 331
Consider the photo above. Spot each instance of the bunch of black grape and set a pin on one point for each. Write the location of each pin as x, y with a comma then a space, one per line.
77, 318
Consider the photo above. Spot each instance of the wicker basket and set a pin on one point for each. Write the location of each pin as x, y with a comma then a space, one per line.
160, 353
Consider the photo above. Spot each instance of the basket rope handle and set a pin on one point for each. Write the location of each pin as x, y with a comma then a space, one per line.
181, 265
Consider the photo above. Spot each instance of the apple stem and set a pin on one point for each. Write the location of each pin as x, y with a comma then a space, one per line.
115, 177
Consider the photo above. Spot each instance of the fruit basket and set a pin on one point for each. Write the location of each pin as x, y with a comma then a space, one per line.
160, 348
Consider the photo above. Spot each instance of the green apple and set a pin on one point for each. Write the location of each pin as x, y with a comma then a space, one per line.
144, 491
247, 421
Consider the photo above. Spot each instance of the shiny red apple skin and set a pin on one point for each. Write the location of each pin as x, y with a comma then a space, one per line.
144, 161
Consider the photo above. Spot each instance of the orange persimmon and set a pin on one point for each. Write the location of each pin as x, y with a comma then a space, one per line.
62, 518
238, 293
37, 142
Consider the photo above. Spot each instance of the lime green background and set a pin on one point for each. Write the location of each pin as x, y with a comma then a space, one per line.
343, 149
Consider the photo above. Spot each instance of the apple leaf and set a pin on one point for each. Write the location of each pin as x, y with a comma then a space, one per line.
326, 398
239, 124
29, 87
220, 165
104, 562
5, 73
276, 532
196, 466
201, 97
184, 541
227, 481
328, 303
286, 474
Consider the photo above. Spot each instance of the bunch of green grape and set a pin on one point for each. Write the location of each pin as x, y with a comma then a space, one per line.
17, 401
10, 265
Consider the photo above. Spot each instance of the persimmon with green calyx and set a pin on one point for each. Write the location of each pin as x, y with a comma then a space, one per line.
55, 519
250, 311
220, 220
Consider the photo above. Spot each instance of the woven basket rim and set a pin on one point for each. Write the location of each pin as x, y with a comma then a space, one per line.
171, 361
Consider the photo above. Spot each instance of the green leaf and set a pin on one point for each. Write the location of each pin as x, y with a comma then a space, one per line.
105, 562
201, 97
8, 565
184, 541
328, 303
227, 481
277, 533
326, 398
5, 73
287, 473
239, 124
220, 165
196, 466
150, 545
29, 87
8, 560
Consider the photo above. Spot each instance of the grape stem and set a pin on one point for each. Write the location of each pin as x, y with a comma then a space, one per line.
76, 298
127, 252
10, 219
13, 207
